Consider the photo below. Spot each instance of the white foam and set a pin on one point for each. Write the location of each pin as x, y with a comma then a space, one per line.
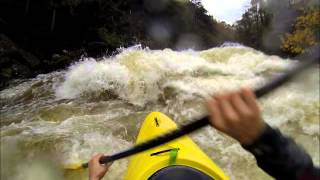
143, 80
139, 76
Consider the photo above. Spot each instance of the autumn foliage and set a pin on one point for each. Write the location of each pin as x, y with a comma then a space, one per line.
305, 32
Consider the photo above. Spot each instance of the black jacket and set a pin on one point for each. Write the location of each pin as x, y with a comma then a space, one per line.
282, 158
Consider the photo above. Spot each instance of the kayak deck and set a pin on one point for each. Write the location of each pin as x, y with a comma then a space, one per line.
180, 152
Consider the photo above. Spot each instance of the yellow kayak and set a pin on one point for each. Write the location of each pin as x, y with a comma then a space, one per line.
178, 159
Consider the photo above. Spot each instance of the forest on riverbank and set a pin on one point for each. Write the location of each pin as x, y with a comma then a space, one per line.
285, 28
39, 36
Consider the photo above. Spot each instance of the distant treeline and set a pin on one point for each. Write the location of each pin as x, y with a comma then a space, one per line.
38, 36
45, 27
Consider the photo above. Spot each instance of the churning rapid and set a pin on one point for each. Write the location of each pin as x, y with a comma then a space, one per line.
97, 106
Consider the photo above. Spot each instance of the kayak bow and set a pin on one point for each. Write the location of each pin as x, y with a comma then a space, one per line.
182, 154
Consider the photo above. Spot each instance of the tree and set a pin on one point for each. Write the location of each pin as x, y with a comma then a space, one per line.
251, 28
285, 27
305, 32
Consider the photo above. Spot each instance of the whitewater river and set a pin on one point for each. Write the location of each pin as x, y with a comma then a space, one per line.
97, 106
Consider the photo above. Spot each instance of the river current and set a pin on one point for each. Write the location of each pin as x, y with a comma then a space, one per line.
98, 105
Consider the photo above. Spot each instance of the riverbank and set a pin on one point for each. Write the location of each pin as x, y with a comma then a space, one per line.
39, 37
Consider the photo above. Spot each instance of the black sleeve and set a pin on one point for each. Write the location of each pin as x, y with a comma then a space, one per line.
281, 157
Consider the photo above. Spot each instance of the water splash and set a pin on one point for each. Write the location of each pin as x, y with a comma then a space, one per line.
98, 106
140, 76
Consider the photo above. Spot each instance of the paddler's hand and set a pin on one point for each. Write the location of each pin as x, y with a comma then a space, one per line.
238, 115
97, 170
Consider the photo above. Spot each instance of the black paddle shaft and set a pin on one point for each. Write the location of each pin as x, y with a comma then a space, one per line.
191, 127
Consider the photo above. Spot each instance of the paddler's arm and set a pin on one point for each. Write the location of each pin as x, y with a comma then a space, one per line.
97, 170
237, 114
281, 157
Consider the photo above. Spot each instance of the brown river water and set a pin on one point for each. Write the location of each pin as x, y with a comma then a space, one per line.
65, 117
